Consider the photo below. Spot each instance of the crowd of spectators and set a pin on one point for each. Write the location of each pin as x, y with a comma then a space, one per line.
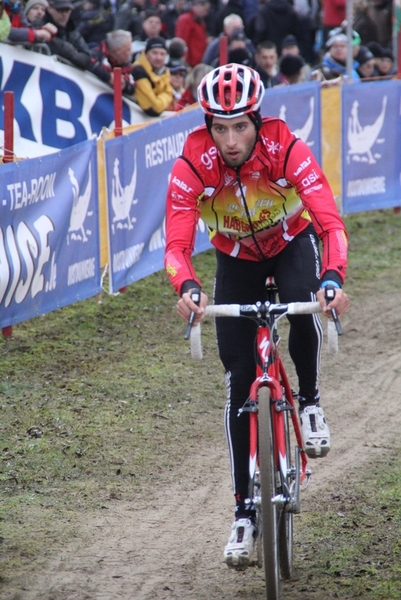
164, 47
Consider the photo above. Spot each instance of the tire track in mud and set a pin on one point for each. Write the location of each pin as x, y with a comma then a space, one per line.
168, 543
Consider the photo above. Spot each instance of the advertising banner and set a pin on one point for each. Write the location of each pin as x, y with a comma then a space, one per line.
56, 106
299, 106
49, 234
371, 133
138, 167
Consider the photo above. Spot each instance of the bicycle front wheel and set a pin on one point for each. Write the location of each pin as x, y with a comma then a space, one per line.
268, 484
286, 516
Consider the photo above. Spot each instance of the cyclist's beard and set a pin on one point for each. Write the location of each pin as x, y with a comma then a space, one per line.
237, 161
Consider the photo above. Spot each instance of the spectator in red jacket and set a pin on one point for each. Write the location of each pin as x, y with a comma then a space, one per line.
191, 27
333, 15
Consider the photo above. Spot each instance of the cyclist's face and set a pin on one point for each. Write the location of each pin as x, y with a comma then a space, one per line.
234, 138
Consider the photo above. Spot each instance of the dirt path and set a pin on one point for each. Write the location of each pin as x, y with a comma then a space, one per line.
173, 550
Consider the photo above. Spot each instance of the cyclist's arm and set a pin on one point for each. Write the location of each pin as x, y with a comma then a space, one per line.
182, 215
303, 171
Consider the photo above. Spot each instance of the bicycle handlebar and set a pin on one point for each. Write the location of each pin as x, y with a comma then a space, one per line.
238, 310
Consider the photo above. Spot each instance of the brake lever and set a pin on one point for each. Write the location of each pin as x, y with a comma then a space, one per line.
329, 293
195, 297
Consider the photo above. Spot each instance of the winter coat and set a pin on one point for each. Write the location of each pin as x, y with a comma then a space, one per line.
153, 91
70, 44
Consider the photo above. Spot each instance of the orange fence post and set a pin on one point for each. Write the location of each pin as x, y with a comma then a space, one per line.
8, 156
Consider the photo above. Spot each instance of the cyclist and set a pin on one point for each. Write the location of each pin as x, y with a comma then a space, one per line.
266, 202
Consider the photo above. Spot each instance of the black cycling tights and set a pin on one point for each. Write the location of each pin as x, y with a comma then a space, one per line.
296, 271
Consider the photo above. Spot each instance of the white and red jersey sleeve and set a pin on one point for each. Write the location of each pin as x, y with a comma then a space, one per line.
184, 195
305, 174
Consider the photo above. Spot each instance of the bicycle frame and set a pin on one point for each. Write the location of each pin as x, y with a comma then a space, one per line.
275, 472
270, 372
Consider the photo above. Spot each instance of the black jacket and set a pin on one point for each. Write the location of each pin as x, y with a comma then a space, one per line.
70, 44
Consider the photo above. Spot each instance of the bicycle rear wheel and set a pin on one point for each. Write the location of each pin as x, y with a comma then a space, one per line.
269, 510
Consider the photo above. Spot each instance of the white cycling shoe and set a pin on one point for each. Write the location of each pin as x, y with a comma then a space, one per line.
239, 549
315, 431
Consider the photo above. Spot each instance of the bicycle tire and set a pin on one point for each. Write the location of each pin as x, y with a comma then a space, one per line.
269, 510
286, 525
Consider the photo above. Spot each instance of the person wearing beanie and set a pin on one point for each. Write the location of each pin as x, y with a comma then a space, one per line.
386, 64
153, 90
384, 60
366, 63
35, 10
335, 59
289, 45
27, 24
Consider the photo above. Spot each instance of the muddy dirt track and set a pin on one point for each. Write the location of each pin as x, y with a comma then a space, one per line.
172, 549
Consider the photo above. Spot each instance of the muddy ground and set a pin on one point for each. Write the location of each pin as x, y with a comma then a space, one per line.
166, 542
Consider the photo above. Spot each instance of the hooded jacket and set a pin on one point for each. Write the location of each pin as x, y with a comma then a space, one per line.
153, 91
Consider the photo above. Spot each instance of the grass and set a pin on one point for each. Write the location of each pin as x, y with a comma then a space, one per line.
356, 537
97, 402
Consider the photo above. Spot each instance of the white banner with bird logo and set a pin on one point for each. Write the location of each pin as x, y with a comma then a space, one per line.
49, 235
371, 134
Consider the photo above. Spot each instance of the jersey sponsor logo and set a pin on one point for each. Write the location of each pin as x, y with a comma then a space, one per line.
271, 146
303, 166
182, 185
208, 157
309, 179
255, 175
314, 188
228, 179
171, 270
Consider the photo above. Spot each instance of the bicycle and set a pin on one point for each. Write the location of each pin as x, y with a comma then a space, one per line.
276, 470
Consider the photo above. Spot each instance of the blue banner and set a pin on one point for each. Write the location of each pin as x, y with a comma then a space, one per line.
371, 134
138, 167
49, 235
299, 106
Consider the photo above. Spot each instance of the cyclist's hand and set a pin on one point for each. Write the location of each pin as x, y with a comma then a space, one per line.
185, 305
340, 302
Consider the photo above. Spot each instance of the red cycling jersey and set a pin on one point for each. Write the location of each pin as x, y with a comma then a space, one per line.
252, 211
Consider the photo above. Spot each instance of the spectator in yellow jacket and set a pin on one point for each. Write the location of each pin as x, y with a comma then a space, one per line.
153, 90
